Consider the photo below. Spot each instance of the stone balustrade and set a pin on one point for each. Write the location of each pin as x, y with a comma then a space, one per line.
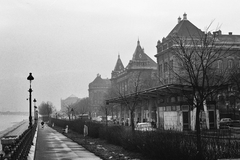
17, 147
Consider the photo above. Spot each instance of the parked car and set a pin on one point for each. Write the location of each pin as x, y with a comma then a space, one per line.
146, 126
225, 123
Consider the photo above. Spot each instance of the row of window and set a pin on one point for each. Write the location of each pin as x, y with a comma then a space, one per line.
123, 86
166, 66
181, 108
230, 63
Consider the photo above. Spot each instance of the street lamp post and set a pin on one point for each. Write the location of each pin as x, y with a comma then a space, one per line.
35, 110
30, 78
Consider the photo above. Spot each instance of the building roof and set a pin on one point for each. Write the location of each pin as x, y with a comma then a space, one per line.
119, 65
71, 97
185, 28
140, 59
139, 53
99, 82
156, 92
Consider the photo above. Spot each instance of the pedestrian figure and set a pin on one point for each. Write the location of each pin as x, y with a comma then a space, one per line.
42, 123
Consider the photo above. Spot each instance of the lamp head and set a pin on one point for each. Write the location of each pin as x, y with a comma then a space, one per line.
30, 77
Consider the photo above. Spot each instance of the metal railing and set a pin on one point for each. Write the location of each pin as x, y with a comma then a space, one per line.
18, 147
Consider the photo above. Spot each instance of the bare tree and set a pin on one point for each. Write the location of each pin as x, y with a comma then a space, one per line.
82, 107
46, 108
68, 111
234, 80
232, 95
105, 110
128, 95
197, 64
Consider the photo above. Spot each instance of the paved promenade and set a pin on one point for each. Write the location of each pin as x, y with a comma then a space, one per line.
51, 145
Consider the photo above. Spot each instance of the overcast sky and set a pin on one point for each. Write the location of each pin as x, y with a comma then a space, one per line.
66, 43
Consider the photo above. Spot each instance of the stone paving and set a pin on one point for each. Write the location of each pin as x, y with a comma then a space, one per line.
51, 145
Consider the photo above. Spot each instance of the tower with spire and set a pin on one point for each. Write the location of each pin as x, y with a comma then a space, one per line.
140, 62
118, 67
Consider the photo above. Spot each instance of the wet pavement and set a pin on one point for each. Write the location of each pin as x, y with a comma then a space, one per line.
51, 145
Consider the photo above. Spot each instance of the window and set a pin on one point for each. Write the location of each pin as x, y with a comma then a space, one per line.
172, 99
230, 63
171, 73
173, 108
160, 70
126, 86
219, 64
165, 67
185, 107
168, 108
171, 64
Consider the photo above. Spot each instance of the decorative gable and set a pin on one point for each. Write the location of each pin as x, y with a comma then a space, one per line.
139, 53
119, 65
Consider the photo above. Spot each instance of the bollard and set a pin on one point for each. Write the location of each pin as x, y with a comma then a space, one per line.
85, 130
66, 130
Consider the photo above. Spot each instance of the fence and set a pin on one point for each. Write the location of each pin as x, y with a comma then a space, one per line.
164, 144
18, 147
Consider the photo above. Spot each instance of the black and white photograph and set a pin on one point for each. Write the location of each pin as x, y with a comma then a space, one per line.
119, 80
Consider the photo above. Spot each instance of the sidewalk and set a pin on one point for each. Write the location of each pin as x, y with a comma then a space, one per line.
51, 145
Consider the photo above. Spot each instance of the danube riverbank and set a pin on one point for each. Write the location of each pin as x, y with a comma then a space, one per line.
10, 129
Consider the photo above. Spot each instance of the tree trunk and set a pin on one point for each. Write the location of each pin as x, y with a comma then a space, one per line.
132, 120
198, 134
106, 116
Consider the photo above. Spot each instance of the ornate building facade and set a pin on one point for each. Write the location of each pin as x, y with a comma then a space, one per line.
165, 101
138, 75
98, 88
176, 112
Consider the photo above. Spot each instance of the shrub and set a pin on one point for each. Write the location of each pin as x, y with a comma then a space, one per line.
166, 145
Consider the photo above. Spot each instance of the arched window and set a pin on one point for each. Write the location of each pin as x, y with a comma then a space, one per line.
230, 63
219, 64
165, 67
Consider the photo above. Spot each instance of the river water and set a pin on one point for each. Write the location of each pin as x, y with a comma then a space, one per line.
7, 121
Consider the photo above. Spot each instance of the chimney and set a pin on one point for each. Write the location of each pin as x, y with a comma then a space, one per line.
230, 33
179, 19
184, 16
220, 32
